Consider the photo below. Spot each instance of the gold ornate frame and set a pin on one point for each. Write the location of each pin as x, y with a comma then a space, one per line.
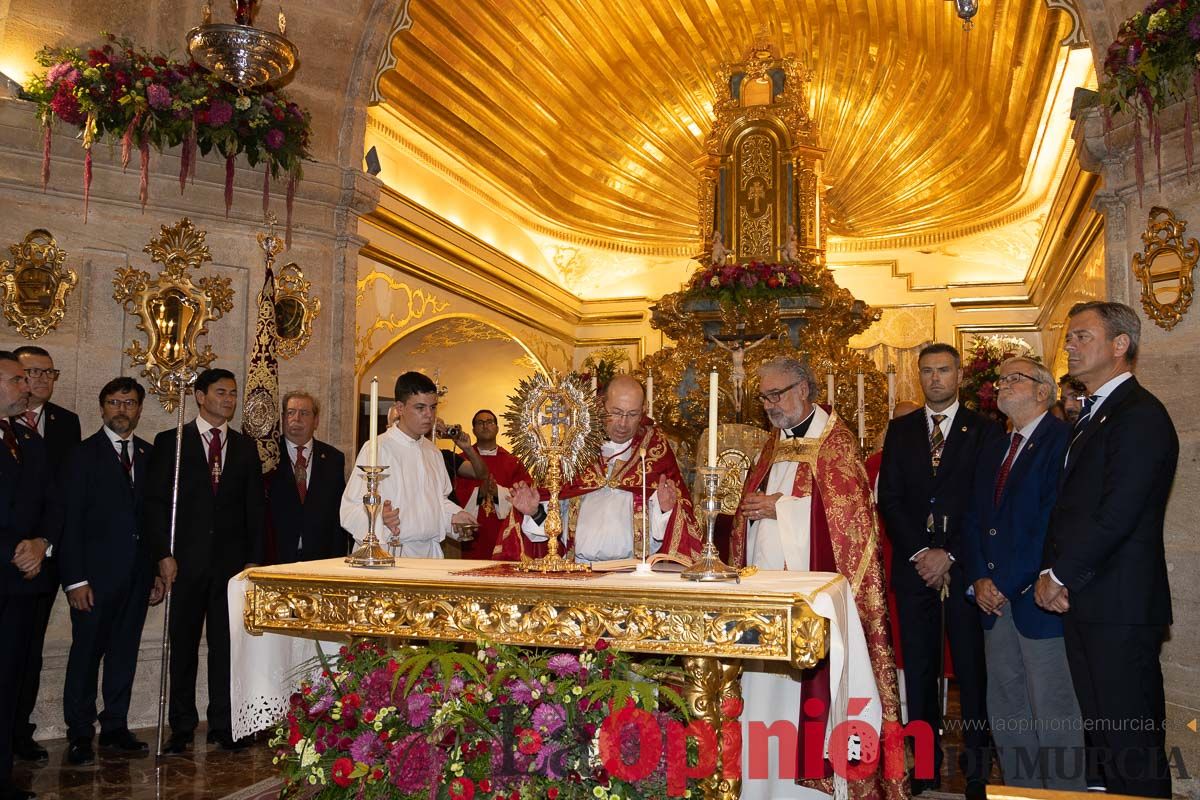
1164, 235
295, 311
172, 310
36, 284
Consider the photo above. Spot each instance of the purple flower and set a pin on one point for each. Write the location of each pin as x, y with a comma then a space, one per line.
420, 709
413, 764
521, 693
376, 689
1193, 29
749, 279
456, 683
548, 718
563, 664
321, 706
274, 142
158, 95
64, 70
366, 747
219, 113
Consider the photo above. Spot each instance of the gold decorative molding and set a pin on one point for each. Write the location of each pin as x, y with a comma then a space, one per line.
387, 59
295, 311
172, 310
1164, 268
1076, 38
459, 330
416, 304
36, 284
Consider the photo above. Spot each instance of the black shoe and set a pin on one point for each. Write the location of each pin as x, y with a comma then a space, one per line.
27, 749
976, 790
80, 752
225, 741
123, 741
177, 744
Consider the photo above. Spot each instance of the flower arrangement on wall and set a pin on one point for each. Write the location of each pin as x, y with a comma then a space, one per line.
736, 283
501, 722
1151, 64
981, 362
120, 93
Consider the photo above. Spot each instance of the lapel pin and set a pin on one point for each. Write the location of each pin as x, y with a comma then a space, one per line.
964, 428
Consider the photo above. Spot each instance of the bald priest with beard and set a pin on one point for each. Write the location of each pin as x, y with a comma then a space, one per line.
600, 504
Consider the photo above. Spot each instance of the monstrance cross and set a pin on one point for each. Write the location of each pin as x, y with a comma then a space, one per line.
757, 193
555, 416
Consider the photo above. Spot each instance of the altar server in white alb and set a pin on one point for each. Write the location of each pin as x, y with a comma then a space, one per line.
415, 487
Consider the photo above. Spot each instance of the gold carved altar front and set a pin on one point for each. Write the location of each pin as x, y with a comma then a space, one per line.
713, 626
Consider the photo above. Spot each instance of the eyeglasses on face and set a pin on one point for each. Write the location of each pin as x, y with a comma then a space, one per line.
37, 372
116, 403
775, 396
627, 415
1014, 377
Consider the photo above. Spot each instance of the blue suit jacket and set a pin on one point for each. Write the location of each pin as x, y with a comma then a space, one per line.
1004, 541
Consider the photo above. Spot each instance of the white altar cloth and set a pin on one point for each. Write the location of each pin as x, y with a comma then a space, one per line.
266, 668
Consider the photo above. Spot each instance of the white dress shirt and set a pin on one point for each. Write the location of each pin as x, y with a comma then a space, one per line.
206, 430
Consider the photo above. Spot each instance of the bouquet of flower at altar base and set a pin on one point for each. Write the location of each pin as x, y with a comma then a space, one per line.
497, 722
142, 100
981, 367
732, 283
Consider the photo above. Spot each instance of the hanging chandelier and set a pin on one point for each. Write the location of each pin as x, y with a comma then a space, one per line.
241, 54
966, 11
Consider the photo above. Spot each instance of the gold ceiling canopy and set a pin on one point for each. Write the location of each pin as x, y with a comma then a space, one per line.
591, 117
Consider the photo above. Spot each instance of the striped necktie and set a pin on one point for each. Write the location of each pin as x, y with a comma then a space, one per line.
937, 441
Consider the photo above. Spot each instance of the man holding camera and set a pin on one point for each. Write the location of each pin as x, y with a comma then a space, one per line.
415, 488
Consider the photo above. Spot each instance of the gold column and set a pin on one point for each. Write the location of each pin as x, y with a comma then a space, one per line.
709, 682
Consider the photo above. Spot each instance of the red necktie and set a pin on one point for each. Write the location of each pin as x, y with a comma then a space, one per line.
1006, 467
10, 439
214, 458
31, 419
301, 470
125, 462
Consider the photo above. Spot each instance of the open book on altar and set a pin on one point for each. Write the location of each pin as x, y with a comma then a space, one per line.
659, 562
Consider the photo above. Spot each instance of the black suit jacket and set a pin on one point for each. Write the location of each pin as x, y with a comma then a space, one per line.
103, 515
315, 524
909, 492
62, 434
1106, 532
27, 510
215, 535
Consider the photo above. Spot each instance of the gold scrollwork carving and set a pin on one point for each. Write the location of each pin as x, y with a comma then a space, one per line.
295, 311
35, 284
810, 638
416, 303
1164, 268
710, 688
172, 310
756, 239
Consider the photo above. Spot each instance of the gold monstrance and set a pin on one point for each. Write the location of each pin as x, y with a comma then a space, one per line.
554, 421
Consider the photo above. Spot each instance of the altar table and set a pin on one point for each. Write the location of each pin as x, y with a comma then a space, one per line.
276, 612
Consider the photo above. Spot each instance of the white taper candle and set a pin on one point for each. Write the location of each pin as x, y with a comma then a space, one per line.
712, 419
862, 409
373, 450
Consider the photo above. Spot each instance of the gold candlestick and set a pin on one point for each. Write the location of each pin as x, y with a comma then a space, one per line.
369, 553
708, 565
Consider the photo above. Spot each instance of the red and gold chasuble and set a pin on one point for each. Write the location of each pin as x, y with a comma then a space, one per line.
843, 538
490, 541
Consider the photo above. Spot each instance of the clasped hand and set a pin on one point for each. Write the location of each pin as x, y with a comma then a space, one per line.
28, 557
1051, 595
988, 597
933, 565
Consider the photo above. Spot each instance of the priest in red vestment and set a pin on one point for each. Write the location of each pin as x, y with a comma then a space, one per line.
602, 519
806, 506
491, 499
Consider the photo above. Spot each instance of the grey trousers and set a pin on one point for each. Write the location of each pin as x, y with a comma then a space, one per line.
1032, 708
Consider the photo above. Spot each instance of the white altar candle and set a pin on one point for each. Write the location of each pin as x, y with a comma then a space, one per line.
829, 389
595, 383
373, 450
650, 395
712, 418
891, 375
862, 410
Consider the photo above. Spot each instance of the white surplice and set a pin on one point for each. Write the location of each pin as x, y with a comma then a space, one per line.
604, 529
416, 483
771, 690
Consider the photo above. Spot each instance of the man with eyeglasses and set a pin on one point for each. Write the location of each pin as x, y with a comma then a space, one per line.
107, 574
1030, 700
806, 507
59, 429
603, 504
28, 529
925, 483
491, 499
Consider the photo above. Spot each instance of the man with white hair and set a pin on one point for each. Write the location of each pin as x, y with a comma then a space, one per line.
1031, 701
806, 507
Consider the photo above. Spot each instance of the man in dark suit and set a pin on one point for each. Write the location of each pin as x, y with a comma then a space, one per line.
28, 529
59, 429
1030, 700
106, 574
925, 482
219, 532
1105, 565
304, 493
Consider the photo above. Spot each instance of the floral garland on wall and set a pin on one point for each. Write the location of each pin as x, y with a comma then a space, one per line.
981, 362
1152, 64
503, 723
147, 100
736, 283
